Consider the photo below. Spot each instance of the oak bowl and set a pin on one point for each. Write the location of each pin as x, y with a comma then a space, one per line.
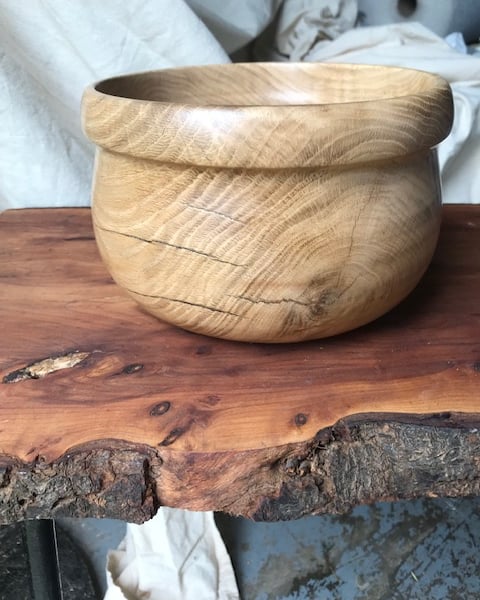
268, 202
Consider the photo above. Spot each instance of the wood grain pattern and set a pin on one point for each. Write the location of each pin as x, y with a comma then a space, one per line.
269, 116
268, 203
106, 411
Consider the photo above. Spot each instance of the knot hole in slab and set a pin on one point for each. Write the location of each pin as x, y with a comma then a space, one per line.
160, 409
301, 419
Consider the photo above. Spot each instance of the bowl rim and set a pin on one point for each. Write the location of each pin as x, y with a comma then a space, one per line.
109, 120
433, 79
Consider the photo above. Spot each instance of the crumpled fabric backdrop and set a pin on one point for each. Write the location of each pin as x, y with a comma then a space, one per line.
301, 23
50, 50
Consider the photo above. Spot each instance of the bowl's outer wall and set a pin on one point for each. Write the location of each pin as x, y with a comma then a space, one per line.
267, 255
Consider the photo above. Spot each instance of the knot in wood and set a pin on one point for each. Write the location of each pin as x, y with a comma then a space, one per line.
301, 419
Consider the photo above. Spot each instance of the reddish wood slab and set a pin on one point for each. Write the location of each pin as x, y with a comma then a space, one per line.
105, 410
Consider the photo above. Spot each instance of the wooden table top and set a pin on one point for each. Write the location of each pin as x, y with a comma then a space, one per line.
204, 423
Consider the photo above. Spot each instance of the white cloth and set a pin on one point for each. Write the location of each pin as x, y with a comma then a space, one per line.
301, 23
412, 45
178, 555
50, 50
235, 23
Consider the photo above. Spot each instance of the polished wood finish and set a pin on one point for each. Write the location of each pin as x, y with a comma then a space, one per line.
269, 116
106, 411
268, 203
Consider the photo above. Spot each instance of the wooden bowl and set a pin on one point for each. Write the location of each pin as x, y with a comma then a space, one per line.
268, 202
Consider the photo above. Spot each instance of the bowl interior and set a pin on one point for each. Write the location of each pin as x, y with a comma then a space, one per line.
266, 84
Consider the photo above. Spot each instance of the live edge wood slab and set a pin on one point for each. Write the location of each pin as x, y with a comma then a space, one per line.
106, 411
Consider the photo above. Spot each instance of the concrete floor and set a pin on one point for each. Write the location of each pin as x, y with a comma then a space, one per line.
425, 550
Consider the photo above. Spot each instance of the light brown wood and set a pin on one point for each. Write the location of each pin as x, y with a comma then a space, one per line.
106, 411
268, 203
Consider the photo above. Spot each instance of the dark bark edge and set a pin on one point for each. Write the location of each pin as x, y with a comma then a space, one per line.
361, 459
